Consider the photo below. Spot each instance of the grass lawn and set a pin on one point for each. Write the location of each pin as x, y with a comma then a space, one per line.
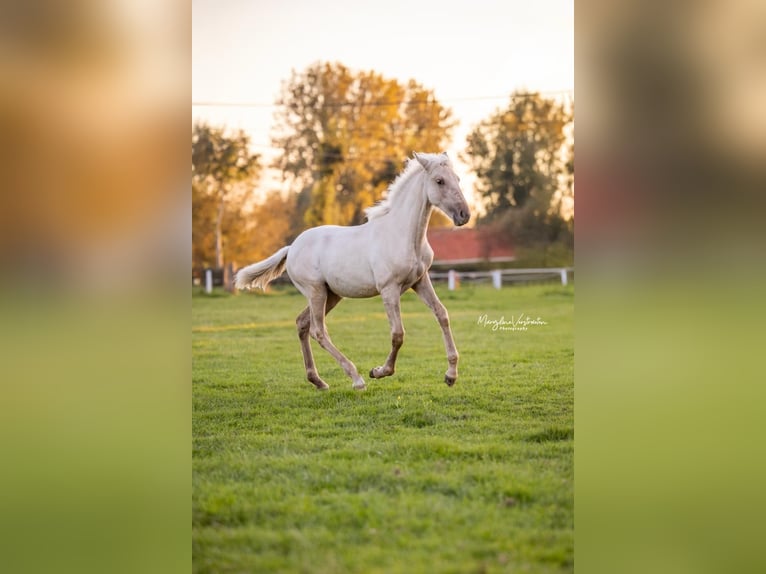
407, 476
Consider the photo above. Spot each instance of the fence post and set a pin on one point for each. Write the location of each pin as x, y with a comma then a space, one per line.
451, 279
228, 277
497, 279
208, 280
563, 276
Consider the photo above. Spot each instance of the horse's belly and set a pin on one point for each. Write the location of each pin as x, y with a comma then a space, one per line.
352, 286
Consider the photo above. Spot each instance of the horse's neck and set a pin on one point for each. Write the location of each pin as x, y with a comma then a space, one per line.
410, 215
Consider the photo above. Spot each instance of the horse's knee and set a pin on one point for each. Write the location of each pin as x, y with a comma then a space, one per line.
318, 335
397, 338
443, 317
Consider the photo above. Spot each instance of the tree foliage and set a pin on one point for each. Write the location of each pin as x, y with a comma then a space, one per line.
224, 172
345, 136
522, 157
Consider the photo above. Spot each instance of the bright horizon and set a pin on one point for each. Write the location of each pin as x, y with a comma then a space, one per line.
472, 55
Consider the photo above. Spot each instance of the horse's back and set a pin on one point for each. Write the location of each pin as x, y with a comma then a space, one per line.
326, 240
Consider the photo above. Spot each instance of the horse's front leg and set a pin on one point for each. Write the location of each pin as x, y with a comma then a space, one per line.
425, 291
391, 296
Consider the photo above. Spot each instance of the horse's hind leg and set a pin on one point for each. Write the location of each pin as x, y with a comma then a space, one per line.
303, 323
317, 306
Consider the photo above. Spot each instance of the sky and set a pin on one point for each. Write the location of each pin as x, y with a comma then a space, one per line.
472, 54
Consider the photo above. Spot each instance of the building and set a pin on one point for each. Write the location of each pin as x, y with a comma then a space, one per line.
467, 246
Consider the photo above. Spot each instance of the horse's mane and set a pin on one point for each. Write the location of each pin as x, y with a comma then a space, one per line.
384, 205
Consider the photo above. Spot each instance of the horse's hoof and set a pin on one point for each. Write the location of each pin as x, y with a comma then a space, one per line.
315, 380
449, 380
382, 374
376, 376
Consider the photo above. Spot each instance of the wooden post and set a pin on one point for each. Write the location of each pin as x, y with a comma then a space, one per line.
563, 276
497, 279
208, 280
228, 277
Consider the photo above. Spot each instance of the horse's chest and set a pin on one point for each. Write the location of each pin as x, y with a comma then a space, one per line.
403, 270
411, 274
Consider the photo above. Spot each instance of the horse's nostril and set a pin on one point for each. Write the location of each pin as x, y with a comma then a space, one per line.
461, 217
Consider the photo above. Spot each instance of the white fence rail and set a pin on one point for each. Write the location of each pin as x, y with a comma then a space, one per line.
500, 276
497, 277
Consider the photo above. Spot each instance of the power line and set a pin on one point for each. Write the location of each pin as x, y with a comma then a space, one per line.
518, 95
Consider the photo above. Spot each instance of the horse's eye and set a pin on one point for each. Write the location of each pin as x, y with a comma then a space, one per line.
440, 181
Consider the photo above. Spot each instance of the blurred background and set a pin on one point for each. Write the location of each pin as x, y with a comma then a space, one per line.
670, 254
94, 251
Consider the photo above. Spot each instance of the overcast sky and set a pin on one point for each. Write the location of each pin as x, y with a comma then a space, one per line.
243, 50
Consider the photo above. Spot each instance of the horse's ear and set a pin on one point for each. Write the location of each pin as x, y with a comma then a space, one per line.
421, 160
444, 153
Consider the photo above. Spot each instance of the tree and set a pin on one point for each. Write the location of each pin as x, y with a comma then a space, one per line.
259, 230
204, 210
519, 155
345, 136
223, 171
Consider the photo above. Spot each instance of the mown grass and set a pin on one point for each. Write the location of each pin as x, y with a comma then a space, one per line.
408, 476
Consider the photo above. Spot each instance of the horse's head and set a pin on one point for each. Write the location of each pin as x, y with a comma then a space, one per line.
443, 187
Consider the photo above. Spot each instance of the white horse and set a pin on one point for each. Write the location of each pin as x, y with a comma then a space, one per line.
386, 255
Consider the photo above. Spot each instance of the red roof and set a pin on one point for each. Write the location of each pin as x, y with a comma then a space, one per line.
468, 246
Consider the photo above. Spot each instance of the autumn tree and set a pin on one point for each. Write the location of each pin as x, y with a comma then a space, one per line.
224, 170
344, 136
520, 155
260, 228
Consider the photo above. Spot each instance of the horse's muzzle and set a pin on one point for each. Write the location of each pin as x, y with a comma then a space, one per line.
461, 217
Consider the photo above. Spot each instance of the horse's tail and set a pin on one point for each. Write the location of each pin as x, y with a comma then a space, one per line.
262, 273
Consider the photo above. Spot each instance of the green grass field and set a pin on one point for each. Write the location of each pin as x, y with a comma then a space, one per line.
409, 476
